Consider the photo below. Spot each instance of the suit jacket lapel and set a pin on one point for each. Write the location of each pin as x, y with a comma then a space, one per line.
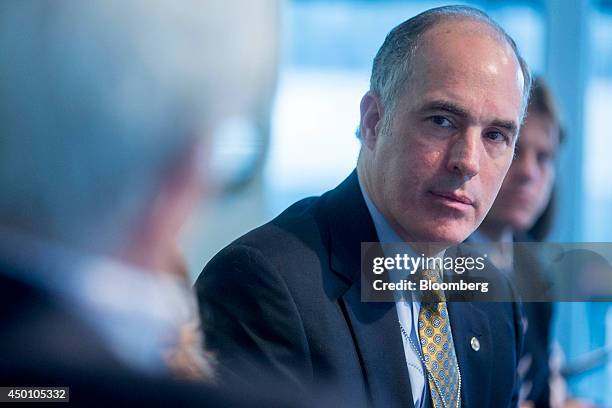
468, 322
374, 326
379, 343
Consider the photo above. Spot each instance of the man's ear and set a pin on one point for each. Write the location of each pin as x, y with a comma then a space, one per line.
371, 118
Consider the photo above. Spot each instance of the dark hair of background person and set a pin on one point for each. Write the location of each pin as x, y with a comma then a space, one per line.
541, 102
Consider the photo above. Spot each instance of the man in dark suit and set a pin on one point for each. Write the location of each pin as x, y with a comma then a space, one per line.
105, 108
437, 131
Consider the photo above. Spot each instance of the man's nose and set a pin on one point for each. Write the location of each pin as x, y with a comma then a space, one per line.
465, 154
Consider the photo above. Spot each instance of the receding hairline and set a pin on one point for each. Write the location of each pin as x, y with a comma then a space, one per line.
422, 24
458, 24
475, 24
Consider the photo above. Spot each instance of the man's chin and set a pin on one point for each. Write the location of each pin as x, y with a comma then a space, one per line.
451, 234
439, 229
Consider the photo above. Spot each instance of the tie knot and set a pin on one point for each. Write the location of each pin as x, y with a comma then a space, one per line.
432, 294
432, 275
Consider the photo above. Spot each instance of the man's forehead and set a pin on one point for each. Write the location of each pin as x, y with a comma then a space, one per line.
454, 41
458, 63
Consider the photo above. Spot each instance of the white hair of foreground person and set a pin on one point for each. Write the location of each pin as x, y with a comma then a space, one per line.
99, 99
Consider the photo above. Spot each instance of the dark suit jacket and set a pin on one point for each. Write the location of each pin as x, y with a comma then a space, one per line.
44, 342
285, 299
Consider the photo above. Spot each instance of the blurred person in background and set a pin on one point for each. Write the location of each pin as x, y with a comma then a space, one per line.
105, 111
523, 212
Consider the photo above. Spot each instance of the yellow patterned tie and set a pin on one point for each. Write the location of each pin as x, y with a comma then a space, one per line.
439, 355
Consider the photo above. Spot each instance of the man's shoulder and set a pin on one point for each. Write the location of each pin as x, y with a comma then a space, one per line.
299, 230
287, 248
302, 220
295, 251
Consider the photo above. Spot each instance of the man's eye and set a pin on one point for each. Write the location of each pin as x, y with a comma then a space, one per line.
441, 121
496, 136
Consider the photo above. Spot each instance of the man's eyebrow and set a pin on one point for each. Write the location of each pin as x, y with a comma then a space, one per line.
455, 109
509, 125
444, 106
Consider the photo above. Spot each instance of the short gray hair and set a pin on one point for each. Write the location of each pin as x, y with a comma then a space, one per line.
392, 65
100, 98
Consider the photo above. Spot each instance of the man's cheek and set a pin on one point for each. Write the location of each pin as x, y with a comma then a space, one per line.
495, 182
485, 207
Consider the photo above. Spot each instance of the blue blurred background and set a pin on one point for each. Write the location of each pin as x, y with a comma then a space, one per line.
306, 145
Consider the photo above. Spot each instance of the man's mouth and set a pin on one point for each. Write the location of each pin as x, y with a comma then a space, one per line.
453, 198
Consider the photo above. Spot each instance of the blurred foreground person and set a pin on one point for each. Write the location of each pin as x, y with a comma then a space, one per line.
105, 108
523, 212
